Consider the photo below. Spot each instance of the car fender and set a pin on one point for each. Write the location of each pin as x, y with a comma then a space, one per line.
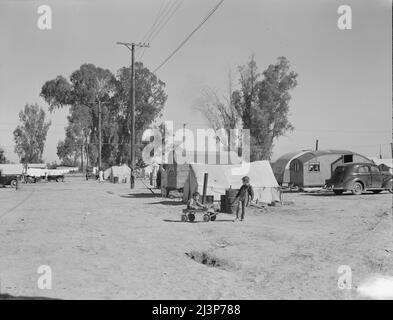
348, 184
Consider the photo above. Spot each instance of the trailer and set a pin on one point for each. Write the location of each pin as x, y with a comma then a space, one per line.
55, 175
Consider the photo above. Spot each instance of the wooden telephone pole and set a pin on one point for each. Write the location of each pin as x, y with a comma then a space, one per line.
131, 47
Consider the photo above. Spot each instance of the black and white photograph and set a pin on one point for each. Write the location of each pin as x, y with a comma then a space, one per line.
213, 151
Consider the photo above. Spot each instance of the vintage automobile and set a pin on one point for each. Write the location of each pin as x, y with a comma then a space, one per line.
8, 180
10, 174
360, 177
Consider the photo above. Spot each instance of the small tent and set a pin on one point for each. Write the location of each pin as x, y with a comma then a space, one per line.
222, 177
177, 168
119, 174
384, 164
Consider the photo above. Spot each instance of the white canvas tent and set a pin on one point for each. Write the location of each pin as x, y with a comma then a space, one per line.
36, 172
221, 177
386, 164
36, 165
122, 173
11, 169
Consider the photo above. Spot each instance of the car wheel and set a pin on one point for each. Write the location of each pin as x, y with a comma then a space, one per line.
13, 183
338, 192
357, 188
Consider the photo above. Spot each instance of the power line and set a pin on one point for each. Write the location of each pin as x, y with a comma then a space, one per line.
155, 34
162, 14
161, 11
158, 16
161, 25
189, 36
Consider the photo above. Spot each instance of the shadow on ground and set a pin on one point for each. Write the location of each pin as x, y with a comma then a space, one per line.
10, 297
169, 203
337, 195
198, 221
140, 195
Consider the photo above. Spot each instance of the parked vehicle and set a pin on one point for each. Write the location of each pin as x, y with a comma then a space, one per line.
91, 173
55, 175
10, 173
8, 180
360, 177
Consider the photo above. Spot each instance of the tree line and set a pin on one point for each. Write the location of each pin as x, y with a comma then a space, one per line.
260, 103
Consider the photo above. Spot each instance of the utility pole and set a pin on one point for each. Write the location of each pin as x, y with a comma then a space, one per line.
99, 137
82, 157
131, 47
391, 147
184, 153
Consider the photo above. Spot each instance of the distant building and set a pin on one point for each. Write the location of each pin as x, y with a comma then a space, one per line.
310, 168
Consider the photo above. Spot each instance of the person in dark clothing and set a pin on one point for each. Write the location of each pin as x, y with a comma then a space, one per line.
246, 191
158, 179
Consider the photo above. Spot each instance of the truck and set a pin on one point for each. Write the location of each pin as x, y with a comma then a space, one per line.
10, 174
55, 175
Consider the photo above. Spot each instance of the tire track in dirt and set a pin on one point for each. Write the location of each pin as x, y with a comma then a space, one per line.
2, 215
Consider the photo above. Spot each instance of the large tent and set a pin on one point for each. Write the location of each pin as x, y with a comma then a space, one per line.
11, 169
222, 177
119, 173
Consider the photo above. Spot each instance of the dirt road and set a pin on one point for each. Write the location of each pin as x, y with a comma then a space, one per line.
103, 241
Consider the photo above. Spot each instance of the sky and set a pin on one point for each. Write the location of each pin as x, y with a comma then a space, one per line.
344, 92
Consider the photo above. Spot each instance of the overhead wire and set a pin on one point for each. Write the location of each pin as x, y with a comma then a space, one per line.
189, 36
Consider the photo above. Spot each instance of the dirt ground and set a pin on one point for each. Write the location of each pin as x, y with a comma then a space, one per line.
103, 241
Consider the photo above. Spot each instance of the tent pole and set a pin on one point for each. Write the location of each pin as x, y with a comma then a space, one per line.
205, 178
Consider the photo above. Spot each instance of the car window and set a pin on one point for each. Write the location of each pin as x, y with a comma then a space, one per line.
363, 169
374, 169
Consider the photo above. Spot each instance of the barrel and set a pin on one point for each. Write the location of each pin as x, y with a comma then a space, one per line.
230, 196
209, 200
223, 203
